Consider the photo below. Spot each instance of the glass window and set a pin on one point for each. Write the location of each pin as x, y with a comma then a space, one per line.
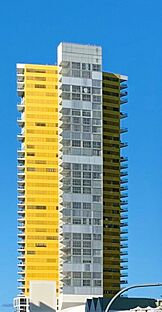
65, 111
77, 236
96, 67
86, 236
86, 167
76, 143
66, 87
86, 74
86, 190
76, 166
75, 73
77, 174
97, 236
87, 244
86, 129
86, 97
76, 282
86, 282
96, 198
76, 189
76, 205
96, 144
96, 98
76, 120
97, 283
96, 91
76, 181
87, 144
76, 259
65, 96
87, 175
75, 65
76, 96
97, 114
76, 128
86, 66
86, 121
75, 112
86, 113
96, 252
87, 182
77, 243
66, 165
76, 89
96, 167
76, 251
86, 274
87, 252
86, 90
76, 274
86, 205
76, 221
96, 83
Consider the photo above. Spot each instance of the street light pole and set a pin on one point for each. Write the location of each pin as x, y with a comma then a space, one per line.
127, 288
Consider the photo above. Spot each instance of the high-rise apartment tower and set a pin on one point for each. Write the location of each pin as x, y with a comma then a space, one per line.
72, 211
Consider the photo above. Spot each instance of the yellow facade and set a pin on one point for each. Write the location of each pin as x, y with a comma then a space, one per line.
111, 185
40, 218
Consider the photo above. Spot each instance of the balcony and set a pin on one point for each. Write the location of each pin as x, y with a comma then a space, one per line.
21, 175
122, 181
123, 224
123, 166
22, 273
123, 93
123, 130
125, 274
124, 267
123, 282
123, 115
124, 217
21, 257
122, 159
21, 122
123, 188
123, 195
123, 238
124, 209
123, 86
123, 202
21, 205
21, 250
21, 160
123, 144
21, 227
21, 212
21, 168
20, 108
123, 101
124, 231
20, 88
21, 264
124, 260
21, 137
21, 153
21, 235
123, 246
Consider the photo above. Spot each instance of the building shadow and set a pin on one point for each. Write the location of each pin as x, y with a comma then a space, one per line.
41, 308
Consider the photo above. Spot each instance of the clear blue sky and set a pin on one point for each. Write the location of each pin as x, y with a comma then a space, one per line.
130, 33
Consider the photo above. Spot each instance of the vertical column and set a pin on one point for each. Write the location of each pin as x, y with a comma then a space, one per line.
80, 166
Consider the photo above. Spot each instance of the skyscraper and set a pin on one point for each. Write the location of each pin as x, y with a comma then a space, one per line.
71, 183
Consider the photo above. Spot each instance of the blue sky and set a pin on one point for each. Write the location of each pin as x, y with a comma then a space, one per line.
130, 34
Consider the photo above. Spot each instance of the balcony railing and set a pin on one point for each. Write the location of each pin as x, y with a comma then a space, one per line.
123, 101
